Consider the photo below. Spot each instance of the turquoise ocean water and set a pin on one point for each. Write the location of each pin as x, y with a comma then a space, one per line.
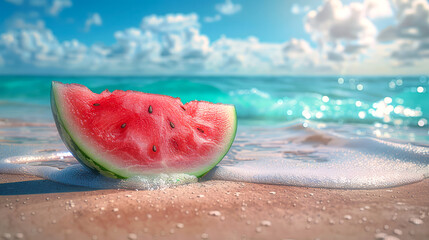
342, 132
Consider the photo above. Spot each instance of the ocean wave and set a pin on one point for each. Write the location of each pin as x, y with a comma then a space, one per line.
309, 156
402, 103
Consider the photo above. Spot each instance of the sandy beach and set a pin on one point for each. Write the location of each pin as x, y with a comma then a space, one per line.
33, 208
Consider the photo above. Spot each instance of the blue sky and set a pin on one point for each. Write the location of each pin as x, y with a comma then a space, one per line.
253, 20
225, 37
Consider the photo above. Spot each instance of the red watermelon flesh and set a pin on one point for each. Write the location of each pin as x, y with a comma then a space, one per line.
126, 133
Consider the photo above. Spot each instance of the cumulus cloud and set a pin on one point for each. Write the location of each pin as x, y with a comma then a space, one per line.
171, 50
342, 32
34, 46
94, 19
378, 8
170, 44
413, 21
228, 8
162, 43
243, 56
170, 22
299, 57
334, 22
178, 37
58, 6
344, 41
410, 35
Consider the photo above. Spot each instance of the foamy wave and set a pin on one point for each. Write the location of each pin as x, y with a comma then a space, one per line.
306, 156
42, 165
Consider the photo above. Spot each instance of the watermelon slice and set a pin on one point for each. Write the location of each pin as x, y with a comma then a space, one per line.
126, 133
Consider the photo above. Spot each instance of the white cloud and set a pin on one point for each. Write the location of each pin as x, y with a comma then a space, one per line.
178, 36
215, 18
410, 35
378, 8
243, 56
16, 2
299, 57
173, 44
228, 8
413, 21
342, 32
337, 22
34, 48
94, 19
31, 46
170, 22
297, 9
168, 44
58, 6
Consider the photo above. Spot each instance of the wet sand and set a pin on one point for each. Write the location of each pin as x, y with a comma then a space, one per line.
33, 208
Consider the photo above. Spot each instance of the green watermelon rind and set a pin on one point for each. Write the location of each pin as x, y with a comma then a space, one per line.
74, 147
82, 154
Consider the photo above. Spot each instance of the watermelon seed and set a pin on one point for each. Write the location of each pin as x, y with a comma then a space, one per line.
201, 130
183, 108
96, 104
154, 148
150, 109
172, 124
123, 125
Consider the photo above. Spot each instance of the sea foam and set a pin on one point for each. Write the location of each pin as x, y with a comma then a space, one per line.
310, 157
300, 154
61, 167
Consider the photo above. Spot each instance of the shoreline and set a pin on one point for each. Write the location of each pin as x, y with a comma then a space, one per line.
33, 208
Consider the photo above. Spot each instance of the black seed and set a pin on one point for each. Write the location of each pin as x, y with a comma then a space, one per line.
96, 104
201, 130
123, 125
183, 108
172, 124
154, 148
150, 109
